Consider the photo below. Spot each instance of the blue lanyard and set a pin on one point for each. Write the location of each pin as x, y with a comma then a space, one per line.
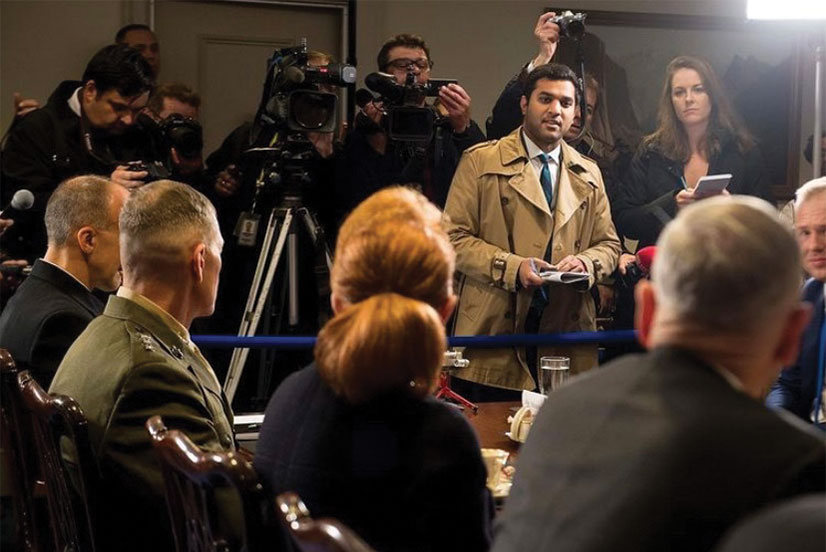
821, 368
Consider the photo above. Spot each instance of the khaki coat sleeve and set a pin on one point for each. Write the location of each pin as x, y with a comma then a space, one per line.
475, 257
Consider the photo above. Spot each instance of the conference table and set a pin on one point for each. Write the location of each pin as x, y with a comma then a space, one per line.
491, 423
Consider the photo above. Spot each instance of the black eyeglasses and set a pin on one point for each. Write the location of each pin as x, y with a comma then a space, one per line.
423, 64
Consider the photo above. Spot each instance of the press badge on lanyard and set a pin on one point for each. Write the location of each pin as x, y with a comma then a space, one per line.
246, 229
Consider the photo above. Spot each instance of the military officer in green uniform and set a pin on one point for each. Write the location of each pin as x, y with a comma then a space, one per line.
136, 360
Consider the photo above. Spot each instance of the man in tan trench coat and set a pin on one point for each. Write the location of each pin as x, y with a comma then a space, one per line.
511, 213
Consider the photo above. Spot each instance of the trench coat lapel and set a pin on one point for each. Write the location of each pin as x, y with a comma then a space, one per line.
524, 181
572, 191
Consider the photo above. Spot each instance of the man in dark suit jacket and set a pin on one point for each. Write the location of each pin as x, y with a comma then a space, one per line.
55, 303
666, 450
800, 386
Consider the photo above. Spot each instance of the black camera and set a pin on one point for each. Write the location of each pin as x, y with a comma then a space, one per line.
155, 170
406, 119
184, 134
294, 94
571, 25
633, 274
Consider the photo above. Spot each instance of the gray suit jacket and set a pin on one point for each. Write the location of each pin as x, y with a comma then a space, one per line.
652, 452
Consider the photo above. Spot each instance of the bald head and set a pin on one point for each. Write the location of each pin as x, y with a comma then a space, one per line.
161, 222
726, 264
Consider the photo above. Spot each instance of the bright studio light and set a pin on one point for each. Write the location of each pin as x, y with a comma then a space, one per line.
788, 9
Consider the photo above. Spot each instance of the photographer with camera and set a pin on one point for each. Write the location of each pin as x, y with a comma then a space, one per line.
172, 114
429, 152
86, 127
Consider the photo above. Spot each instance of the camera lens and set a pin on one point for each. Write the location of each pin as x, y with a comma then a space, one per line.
312, 110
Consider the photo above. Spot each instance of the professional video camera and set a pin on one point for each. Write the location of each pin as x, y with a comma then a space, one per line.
406, 119
293, 97
296, 98
571, 25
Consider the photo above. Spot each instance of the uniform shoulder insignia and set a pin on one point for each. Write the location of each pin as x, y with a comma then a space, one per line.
176, 352
146, 342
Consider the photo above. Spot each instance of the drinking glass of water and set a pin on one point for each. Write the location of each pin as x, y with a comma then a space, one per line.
553, 373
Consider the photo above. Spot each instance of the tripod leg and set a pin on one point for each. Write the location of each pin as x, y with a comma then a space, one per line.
264, 257
317, 234
236, 368
292, 276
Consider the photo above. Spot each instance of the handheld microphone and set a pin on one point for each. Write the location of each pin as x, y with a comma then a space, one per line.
645, 258
21, 201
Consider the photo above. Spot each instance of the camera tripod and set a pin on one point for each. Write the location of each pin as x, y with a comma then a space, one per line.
284, 217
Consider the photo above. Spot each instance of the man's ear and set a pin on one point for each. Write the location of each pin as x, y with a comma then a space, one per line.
198, 262
523, 103
87, 239
788, 345
646, 306
90, 91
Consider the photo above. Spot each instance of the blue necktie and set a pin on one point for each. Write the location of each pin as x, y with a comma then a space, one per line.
545, 179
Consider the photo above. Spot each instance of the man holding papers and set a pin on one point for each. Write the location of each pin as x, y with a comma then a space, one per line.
517, 208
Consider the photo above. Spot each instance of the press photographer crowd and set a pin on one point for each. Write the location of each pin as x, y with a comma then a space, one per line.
384, 234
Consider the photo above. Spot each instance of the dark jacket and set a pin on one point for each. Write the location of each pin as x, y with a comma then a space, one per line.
653, 452
44, 317
645, 202
45, 148
796, 387
367, 171
405, 474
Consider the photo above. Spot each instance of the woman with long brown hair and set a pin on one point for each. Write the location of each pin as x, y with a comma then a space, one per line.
357, 434
698, 134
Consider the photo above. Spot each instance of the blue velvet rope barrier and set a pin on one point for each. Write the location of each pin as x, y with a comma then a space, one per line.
480, 341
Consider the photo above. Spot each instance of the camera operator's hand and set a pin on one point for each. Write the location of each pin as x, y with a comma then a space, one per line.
571, 264
227, 182
625, 260
547, 33
24, 106
374, 111
528, 273
457, 103
186, 166
322, 142
128, 179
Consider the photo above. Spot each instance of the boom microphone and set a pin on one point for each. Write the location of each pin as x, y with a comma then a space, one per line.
21, 201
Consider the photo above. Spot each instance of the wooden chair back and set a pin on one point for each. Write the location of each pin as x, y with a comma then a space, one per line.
20, 461
68, 468
322, 535
193, 479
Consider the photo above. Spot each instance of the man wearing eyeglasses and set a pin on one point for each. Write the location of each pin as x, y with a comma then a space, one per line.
86, 127
375, 161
